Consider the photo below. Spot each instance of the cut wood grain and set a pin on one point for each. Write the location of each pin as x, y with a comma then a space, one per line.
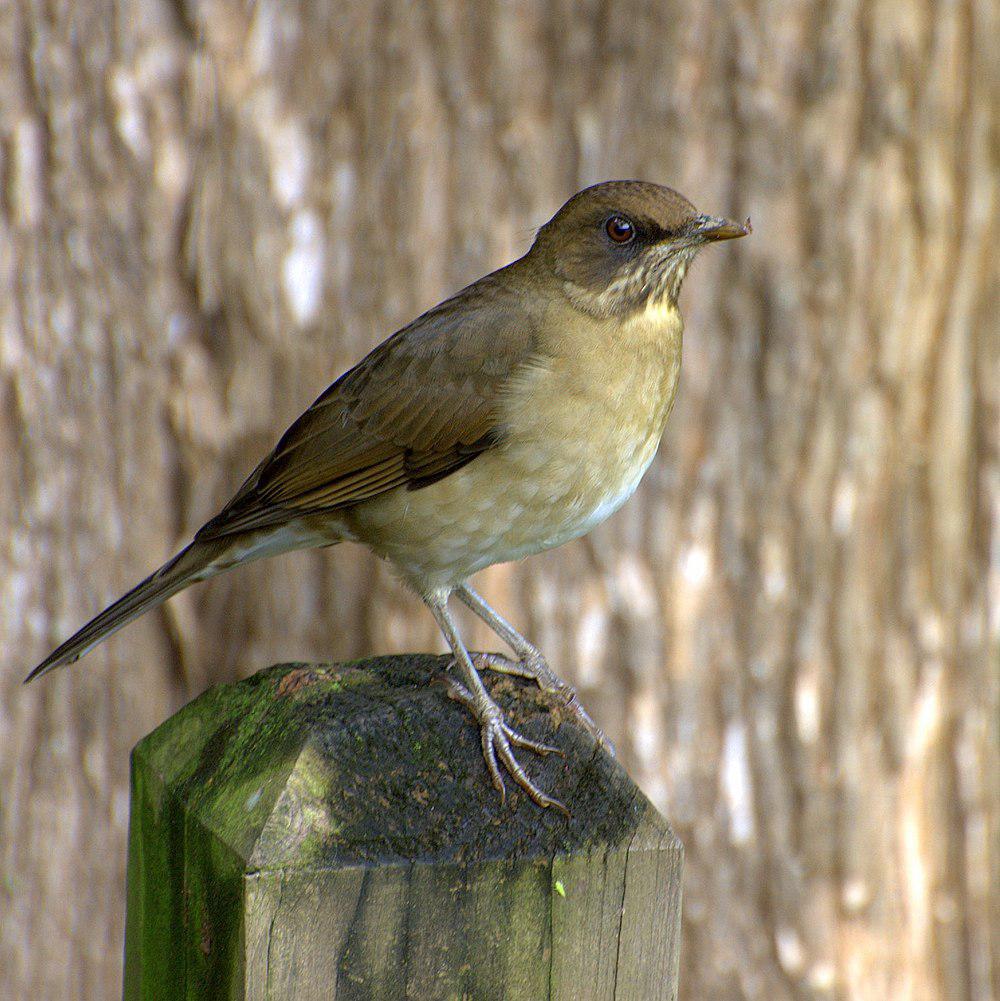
328, 831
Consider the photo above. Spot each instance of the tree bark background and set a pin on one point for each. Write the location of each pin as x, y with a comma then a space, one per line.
209, 209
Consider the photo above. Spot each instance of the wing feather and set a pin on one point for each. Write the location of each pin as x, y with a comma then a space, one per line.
420, 406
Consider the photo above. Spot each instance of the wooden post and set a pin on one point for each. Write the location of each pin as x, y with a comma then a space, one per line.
329, 832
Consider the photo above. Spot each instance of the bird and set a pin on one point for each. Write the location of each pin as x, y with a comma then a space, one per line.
509, 419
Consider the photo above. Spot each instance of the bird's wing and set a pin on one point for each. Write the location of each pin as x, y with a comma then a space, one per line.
419, 407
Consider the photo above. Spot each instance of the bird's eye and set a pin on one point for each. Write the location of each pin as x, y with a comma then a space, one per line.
619, 229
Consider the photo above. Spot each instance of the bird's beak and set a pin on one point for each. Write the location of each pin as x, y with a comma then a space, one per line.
709, 228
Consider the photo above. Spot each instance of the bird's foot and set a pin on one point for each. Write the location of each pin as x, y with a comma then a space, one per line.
536, 668
498, 741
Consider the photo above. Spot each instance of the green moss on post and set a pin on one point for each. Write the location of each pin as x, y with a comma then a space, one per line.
328, 831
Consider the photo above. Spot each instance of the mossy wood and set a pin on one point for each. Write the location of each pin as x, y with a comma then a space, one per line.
329, 832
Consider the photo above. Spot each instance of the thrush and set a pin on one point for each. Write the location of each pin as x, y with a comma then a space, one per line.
511, 418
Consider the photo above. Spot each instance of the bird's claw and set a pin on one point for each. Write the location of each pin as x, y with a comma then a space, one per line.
497, 740
537, 669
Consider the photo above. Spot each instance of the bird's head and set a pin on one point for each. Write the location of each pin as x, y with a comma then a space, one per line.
622, 246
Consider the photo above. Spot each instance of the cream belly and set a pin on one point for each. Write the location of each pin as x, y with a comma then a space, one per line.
502, 507
582, 434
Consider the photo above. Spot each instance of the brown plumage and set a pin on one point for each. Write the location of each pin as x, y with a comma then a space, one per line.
508, 419
420, 406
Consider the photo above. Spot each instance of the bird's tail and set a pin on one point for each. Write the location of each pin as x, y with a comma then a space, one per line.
196, 562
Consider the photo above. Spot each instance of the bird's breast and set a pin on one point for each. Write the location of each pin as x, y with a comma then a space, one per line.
587, 423
581, 428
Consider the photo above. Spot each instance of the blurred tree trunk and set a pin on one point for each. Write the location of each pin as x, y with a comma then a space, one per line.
208, 210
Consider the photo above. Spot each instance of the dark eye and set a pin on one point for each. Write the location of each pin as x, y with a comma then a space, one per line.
619, 229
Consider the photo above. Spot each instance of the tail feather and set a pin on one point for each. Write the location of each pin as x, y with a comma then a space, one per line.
189, 565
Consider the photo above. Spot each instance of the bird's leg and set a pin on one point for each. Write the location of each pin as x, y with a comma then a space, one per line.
531, 662
497, 737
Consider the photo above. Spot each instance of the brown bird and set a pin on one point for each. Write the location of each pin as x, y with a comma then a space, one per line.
511, 418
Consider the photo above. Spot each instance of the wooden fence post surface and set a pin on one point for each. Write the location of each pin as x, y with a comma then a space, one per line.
329, 832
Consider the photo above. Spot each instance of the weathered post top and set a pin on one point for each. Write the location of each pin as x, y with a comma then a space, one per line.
329, 831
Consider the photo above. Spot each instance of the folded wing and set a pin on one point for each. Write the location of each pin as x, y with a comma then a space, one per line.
419, 407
